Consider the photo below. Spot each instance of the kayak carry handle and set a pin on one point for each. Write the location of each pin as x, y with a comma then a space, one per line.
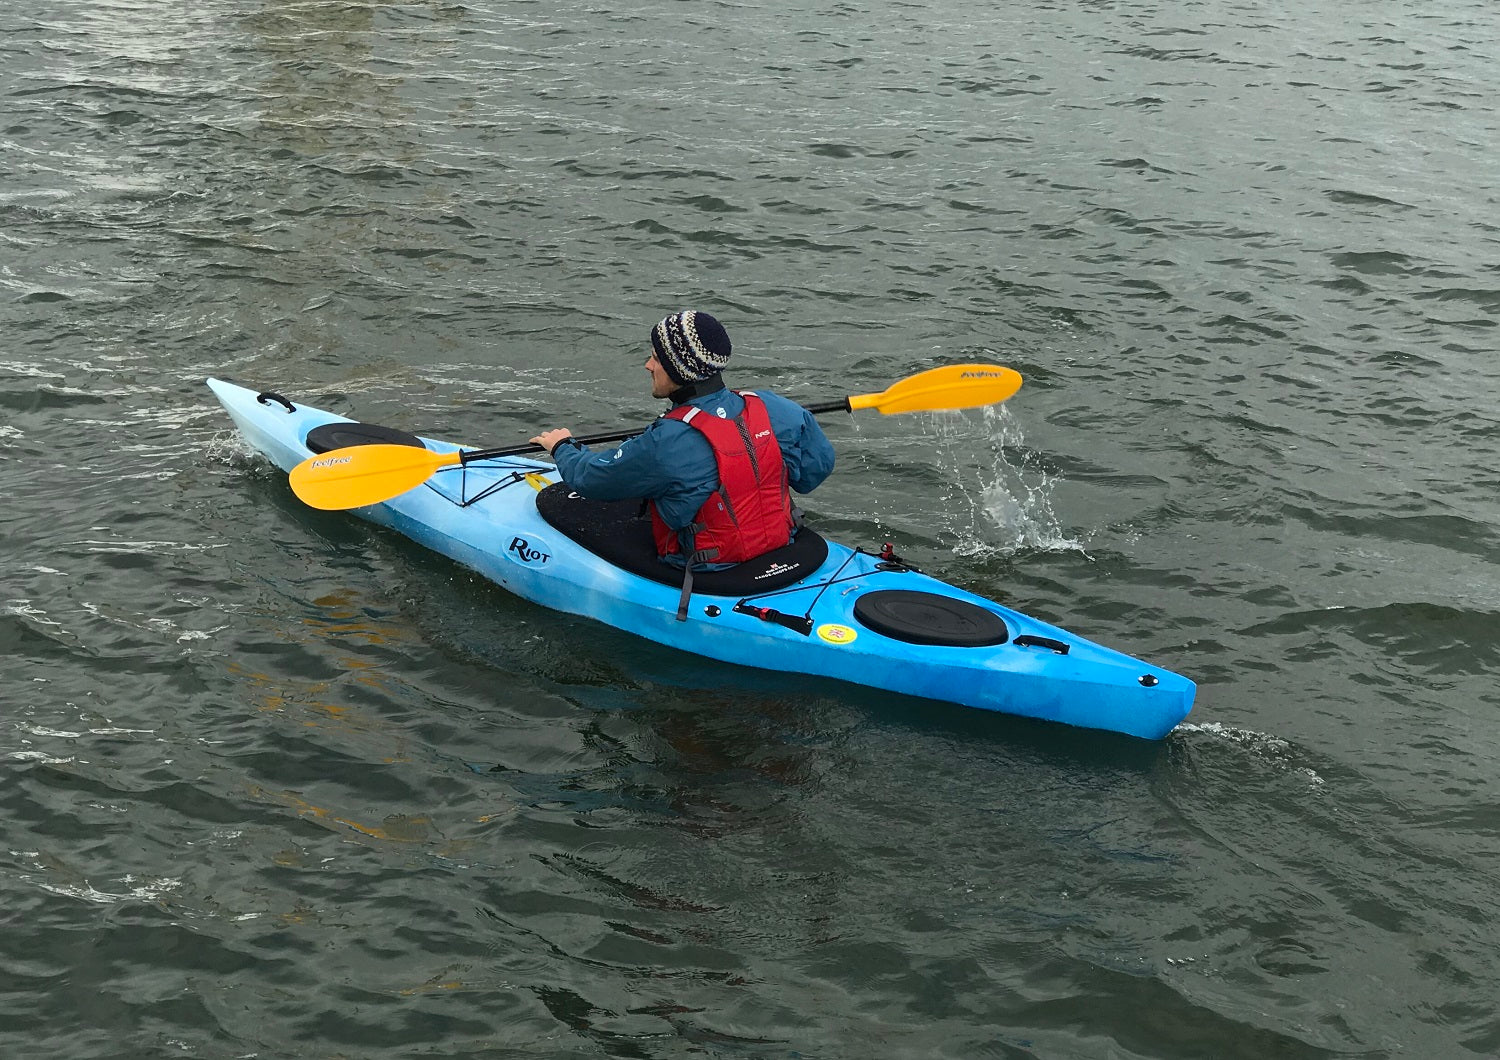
796, 623
1028, 640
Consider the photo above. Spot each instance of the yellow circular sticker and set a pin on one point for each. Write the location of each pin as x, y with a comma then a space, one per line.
835, 634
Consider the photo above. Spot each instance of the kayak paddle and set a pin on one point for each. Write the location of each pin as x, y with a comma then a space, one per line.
368, 474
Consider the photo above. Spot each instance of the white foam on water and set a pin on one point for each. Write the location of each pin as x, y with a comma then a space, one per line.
229, 447
40, 756
88, 893
1263, 746
67, 734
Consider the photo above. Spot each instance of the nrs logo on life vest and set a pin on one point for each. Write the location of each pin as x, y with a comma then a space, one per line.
528, 553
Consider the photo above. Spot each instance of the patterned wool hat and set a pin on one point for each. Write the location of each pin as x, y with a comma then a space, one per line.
690, 346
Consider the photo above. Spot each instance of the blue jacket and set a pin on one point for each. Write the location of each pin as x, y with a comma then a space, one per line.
673, 464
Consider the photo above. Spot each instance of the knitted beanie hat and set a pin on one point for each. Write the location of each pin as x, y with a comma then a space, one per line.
690, 346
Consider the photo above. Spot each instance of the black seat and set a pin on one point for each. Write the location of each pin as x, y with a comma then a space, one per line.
619, 532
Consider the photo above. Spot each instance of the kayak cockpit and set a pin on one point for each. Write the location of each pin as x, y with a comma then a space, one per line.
619, 532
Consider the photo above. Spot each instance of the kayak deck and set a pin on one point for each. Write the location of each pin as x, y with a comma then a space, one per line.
857, 616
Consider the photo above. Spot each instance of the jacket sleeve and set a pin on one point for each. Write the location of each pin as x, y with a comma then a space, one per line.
631, 469
805, 449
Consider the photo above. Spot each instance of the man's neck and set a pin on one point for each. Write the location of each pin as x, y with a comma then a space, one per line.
683, 394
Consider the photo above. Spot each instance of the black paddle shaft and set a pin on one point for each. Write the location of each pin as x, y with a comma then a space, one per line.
841, 405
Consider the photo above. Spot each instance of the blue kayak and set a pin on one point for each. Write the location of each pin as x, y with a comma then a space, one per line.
816, 607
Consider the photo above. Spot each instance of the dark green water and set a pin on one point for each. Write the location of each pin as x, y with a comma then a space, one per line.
277, 784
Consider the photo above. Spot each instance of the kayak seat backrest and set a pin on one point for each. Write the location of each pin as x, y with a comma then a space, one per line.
928, 618
619, 532
343, 435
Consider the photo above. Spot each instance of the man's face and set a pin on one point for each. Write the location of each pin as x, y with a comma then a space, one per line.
661, 383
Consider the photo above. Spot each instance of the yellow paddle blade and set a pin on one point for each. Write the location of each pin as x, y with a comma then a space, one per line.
364, 474
953, 386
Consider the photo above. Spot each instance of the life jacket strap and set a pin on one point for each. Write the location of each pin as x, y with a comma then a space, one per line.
694, 556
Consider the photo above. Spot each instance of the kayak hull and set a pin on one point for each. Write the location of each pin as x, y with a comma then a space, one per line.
1041, 671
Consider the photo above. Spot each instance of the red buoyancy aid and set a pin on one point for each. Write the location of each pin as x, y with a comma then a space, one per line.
751, 512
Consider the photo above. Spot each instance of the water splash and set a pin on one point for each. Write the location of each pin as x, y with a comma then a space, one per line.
228, 448
999, 497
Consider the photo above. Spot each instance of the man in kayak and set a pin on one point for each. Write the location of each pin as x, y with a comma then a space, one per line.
717, 468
